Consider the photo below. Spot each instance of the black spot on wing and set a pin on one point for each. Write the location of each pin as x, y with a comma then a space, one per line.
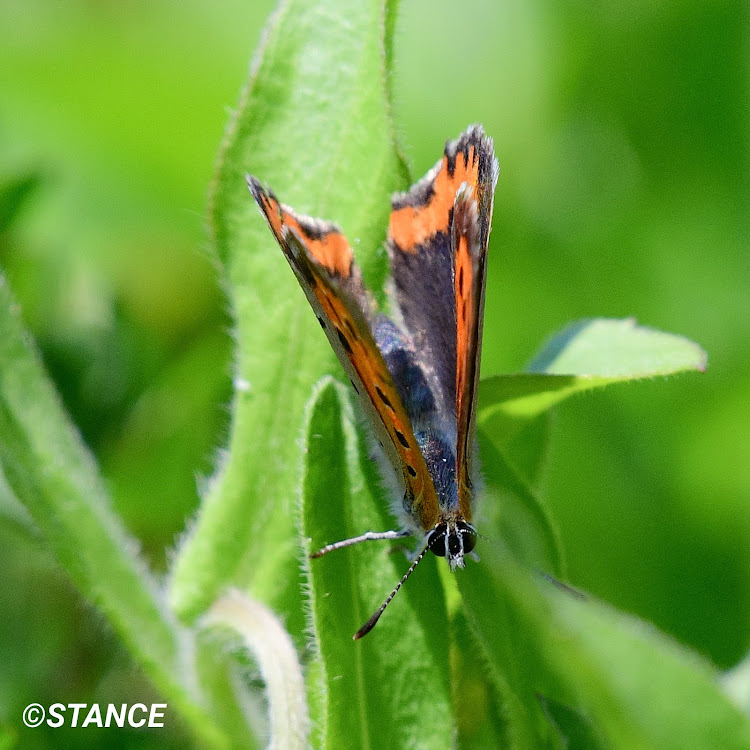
383, 397
402, 438
344, 341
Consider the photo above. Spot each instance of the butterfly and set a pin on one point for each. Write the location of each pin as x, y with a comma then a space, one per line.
416, 375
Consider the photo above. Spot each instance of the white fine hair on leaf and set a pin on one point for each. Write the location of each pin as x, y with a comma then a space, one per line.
273, 651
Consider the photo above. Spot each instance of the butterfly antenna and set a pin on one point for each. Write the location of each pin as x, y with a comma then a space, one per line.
370, 624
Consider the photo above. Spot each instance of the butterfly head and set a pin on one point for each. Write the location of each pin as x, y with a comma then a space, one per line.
452, 539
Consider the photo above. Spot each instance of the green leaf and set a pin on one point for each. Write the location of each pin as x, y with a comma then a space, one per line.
15, 193
736, 684
272, 649
392, 688
586, 355
13, 512
8, 738
617, 349
481, 722
628, 684
50, 471
513, 411
574, 728
314, 124
527, 449
510, 510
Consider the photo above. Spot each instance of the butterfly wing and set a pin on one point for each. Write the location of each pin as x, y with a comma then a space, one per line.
438, 235
324, 265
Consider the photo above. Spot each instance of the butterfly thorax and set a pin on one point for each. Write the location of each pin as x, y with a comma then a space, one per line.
453, 537
441, 463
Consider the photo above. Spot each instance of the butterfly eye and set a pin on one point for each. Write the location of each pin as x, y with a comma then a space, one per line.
469, 536
436, 540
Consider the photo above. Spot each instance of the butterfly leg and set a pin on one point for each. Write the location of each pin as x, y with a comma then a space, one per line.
366, 537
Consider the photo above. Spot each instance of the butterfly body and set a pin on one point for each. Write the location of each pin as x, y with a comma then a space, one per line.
416, 375
434, 432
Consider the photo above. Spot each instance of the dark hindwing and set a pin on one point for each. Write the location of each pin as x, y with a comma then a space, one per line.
422, 278
422, 255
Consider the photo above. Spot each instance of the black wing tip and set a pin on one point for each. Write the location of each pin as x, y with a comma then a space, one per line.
475, 136
255, 186
312, 227
262, 195
421, 192
484, 146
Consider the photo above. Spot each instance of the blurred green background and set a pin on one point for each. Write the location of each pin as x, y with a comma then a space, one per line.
622, 134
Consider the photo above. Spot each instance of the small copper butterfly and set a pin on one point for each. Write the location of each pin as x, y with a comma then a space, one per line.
416, 376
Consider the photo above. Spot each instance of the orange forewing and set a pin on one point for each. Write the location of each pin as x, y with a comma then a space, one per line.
411, 226
376, 380
322, 260
329, 247
469, 257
